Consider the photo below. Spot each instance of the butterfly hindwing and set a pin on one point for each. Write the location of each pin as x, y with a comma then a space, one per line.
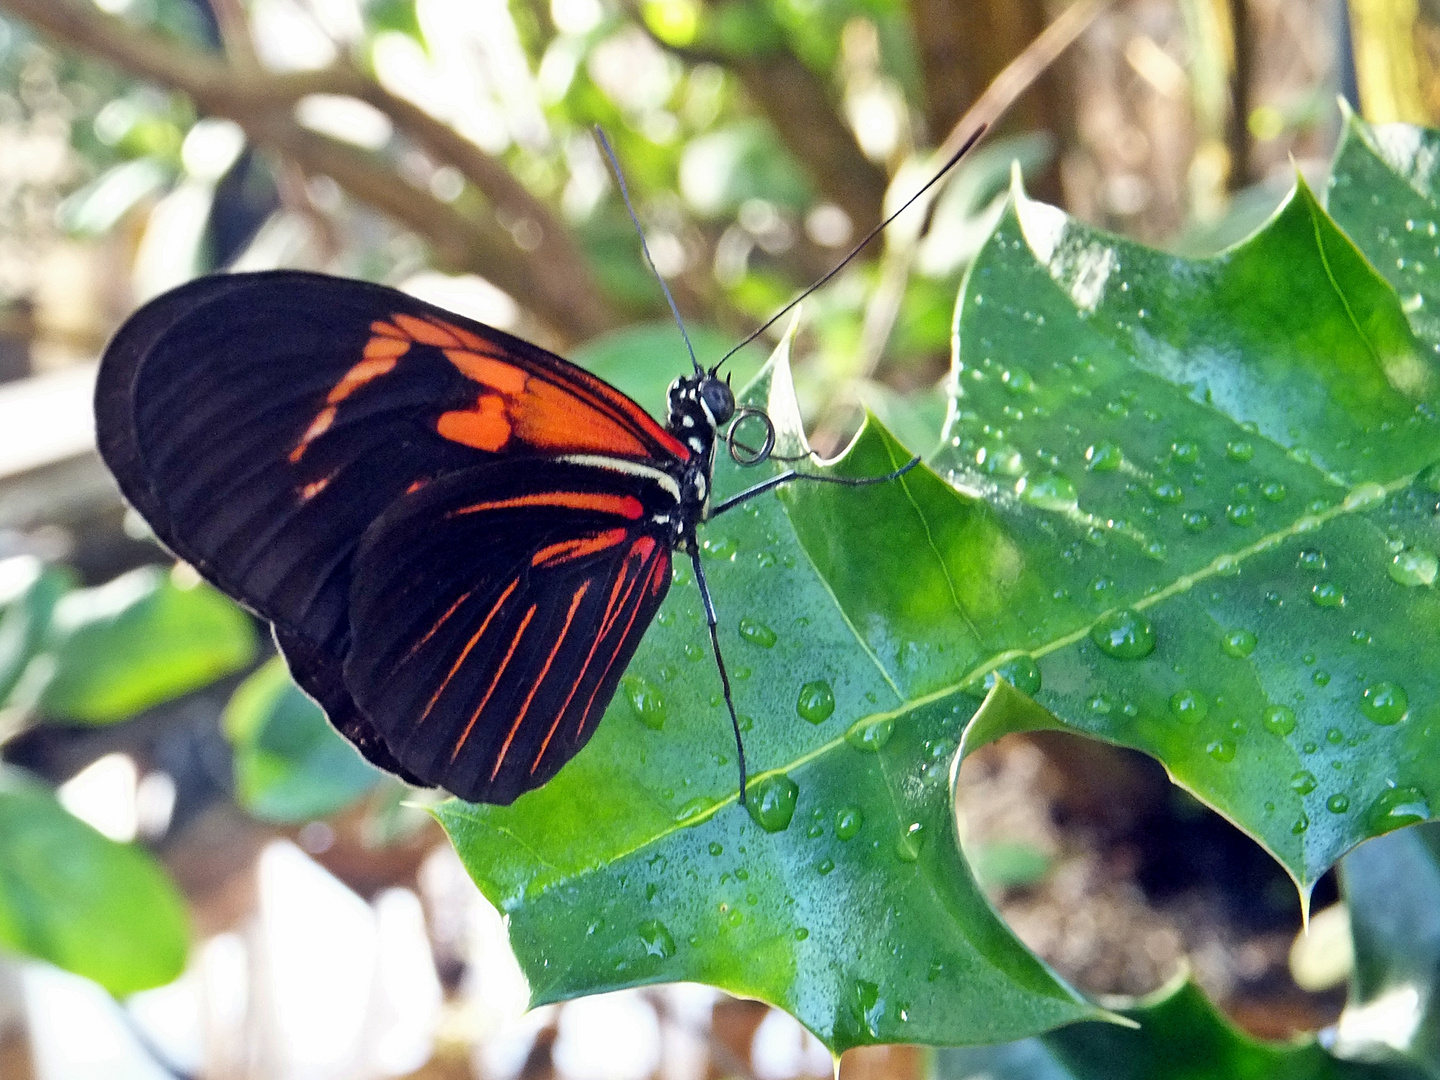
494, 612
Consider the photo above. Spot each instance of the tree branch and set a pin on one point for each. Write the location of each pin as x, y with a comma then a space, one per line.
550, 279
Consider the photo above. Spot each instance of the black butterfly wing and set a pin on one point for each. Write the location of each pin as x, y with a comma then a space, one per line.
261, 422
493, 613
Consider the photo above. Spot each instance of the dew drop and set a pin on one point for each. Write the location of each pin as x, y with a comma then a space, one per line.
801, 933
1221, 750
1414, 567
1104, 457
1327, 594
1310, 559
1338, 804
1018, 381
1397, 807
1273, 490
1384, 703
1321, 677
771, 801
1185, 451
1189, 706
1195, 520
816, 701
1124, 634
1242, 514
1238, 643
1240, 451
656, 938
645, 700
1020, 672
1301, 824
721, 548
716, 848
848, 822
871, 735
907, 848
824, 866
757, 633
1303, 782
1167, 492
1048, 491
1279, 719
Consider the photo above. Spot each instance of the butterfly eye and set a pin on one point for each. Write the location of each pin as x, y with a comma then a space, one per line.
718, 399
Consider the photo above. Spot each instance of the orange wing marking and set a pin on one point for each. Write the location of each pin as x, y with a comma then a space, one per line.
427, 332
432, 631
488, 371
566, 550
500, 671
605, 621
468, 646
385, 329
626, 506
485, 427
539, 679
321, 424
550, 420
315, 487
645, 546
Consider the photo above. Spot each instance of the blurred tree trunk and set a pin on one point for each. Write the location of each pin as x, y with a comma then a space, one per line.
963, 45
1397, 59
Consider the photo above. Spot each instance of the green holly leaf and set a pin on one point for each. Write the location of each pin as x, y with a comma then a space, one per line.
1217, 478
1187, 506
82, 901
841, 895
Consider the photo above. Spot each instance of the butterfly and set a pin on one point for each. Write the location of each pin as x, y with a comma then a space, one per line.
458, 538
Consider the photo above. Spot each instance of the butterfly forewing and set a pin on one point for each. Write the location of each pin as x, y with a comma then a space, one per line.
502, 606
264, 423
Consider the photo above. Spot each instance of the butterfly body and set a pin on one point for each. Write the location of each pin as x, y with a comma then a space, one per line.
458, 537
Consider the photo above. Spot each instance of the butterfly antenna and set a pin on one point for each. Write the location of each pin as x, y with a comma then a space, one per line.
625, 194
964, 147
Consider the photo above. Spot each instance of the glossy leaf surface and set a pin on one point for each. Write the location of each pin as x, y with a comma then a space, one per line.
841, 895
1217, 475
1189, 509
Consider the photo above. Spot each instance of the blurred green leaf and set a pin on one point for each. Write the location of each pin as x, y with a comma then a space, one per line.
1391, 886
1217, 479
1180, 1037
84, 902
25, 619
1008, 864
117, 649
290, 764
96, 208
642, 361
722, 169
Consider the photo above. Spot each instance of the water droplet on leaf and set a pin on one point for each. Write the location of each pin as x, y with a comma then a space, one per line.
1239, 643
1384, 703
657, 939
816, 702
771, 801
1124, 634
757, 633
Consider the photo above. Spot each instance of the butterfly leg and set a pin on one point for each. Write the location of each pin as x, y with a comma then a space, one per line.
711, 621
792, 474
